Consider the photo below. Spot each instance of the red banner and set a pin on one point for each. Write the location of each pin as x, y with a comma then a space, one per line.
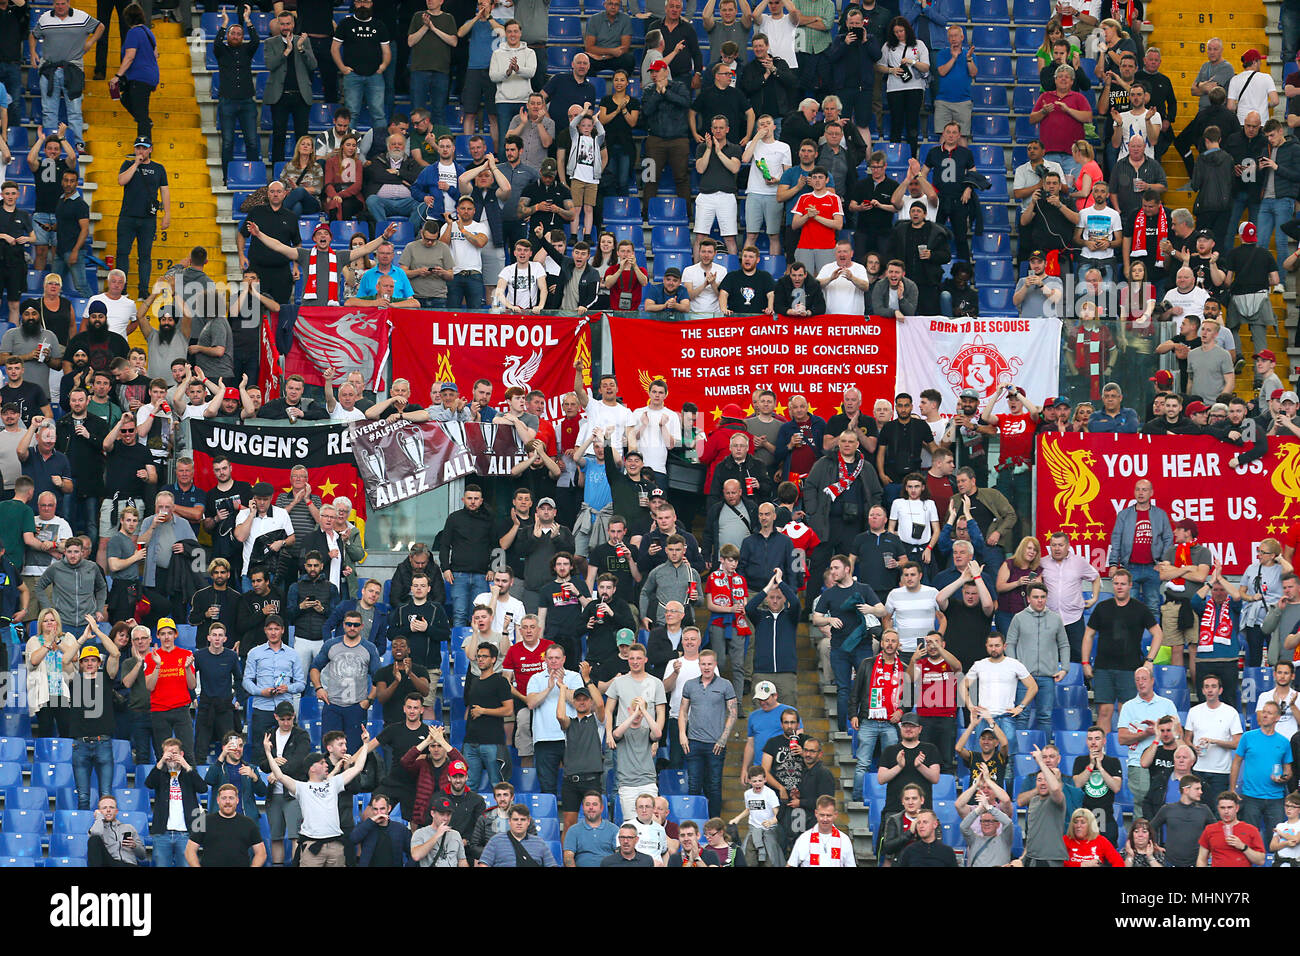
328, 343
530, 351
721, 361
1084, 481
268, 369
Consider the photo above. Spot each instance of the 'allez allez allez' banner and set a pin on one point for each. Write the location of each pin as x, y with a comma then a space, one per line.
719, 361
1084, 481
984, 354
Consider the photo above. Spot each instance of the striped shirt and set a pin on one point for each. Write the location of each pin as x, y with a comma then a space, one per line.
63, 40
913, 614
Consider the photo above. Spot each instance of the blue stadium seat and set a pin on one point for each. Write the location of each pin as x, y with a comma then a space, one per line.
688, 808
321, 117
566, 6
209, 23
989, 156
989, 98
524, 779
997, 271
1031, 11
565, 29
669, 238
991, 39
1073, 676
1029, 39
773, 265
673, 783
72, 821
66, 862
1114, 748
621, 209
1025, 130
1066, 719
69, 844
1023, 765
1170, 677
1023, 98
872, 788
343, 231
1028, 71
1071, 742
945, 789
19, 171
1254, 682
24, 821
52, 775
996, 218
894, 153
627, 230
992, 244
548, 828
122, 753
20, 844
947, 813
187, 636
1181, 696
1027, 740
13, 749
1073, 696
27, 196
141, 773
988, 11
245, 175
403, 234
65, 798
990, 128
954, 11
138, 819
560, 58
557, 851
541, 804
668, 260
952, 836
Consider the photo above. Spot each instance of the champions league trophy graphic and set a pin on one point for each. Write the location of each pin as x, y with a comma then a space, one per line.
411, 441
376, 465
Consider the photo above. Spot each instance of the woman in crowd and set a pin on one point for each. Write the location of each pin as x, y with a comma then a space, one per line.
51, 662
137, 75
1085, 845
906, 62
1014, 577
303, 177
1140, 848
914, 518
343, 181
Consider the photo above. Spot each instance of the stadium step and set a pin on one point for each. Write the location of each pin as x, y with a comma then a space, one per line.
178, 145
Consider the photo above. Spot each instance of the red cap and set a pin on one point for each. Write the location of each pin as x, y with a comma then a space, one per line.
1277, 395
1163, 378
732, 410
232, 394
658, 65
1196, 407
1247, 232
321, 227
1250, 56
457, 767
1266, 354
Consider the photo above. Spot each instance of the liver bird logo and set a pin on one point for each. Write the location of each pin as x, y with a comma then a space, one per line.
1076, 483
646, 379
518, 375
1286, 476
349, 343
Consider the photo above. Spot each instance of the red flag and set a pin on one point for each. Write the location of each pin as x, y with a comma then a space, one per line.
268, 377
328, 343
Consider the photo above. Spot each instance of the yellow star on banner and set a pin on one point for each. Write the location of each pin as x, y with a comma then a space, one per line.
839, 409
780, 410
717, 413
327, 489
1281, 529
749, 410
1270, 529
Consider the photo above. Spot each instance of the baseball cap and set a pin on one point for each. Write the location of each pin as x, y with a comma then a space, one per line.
1188, 525
458, 769
548, 167
448, 387
582, 692
1202, 234
1290, 397
284, 709
1247, 232
1163, 378
143, 141
1038, 254
263, 489
911, 718
441, 804
546, 501
968, 393
658, 65
1276, 395
11, 407
624, 637
165, 623
232, 394
88, 652
321, 227
1265, 354
732, 410
673, 271
1250, 56
1196, 407
989, 731
764, 689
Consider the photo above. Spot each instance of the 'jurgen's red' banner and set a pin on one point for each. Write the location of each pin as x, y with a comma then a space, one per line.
717, 362
529, 351
329, 342
1084, 481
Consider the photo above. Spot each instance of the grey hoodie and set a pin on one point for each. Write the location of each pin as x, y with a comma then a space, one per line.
1037, 639
112, 834
78, 590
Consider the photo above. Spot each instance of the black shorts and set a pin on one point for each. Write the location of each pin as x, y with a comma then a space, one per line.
13, 277
479, 90
575, 785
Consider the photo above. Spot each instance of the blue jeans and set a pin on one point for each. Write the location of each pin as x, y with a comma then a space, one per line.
73, 271
617, 176
1263, 813
1069, 165
506, 114
1289, 24
11, 77
1243, 201
381, 209
1146, 586
466, 289
547, 756
301, 203
141, 737
844, 667
429, 89
1039, 714
368, 92
1273, 215
243, 112
169, 848
52, 95
347, 718
869, 733
84, 516
84, 755
484, 769
461, 591
704, 771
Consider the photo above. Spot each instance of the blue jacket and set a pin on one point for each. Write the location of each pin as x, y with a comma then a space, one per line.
774, 634
1121, 539
250, 788
367, 833
378, 625
759, 555
1125, 423
928, 23
787, 431
424, 185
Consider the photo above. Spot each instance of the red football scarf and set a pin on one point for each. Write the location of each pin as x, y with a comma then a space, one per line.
847, 477
833, 844
885, 690
309, 289
1216, 626
1140, 235
1182, 556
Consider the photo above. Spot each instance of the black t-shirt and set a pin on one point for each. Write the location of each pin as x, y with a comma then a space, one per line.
85, 455
995, 765
140, 194
604, 559
239, 492
399, 738
120, 467
137, 389
282, 225
747, 294
49, 181
101, 350
363, 43
617, 132
16, 223
538, 192
393, 708
226, 841
68, 215
1098, 796
486, 692
787, 763
838, 422
867, 189
967, 631
1162, 765
904, 442
514, 555
716, 177
1251, 265
608, 670
950, 169
30, 398
729, 102
842, 603
909, 773
870, 550
563, 614
1119, 633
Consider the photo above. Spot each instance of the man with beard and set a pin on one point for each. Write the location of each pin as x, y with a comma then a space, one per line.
838, 492
35, 345
224, 500
782, 762
80, 436
168, 342
922, 246
101, 345
215, 603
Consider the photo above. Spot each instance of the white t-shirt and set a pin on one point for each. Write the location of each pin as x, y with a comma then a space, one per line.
689, 671
585, 151
996, 683
652, 839
650, 440
908, 512
1288, 830
319, 803
842, 296
1251, 93
465, 256
706, 300
937, 428
1286, 725
341, 414
777, 155
1100, 223
917, 53
605, 417
780, 36
509, 605
56, 529
523, 285
1134, 125
447, 175
1219, 724
1191, 302
276, 518
120, 311
175, 803
827, 844
931, 208
762, 806
913, 614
